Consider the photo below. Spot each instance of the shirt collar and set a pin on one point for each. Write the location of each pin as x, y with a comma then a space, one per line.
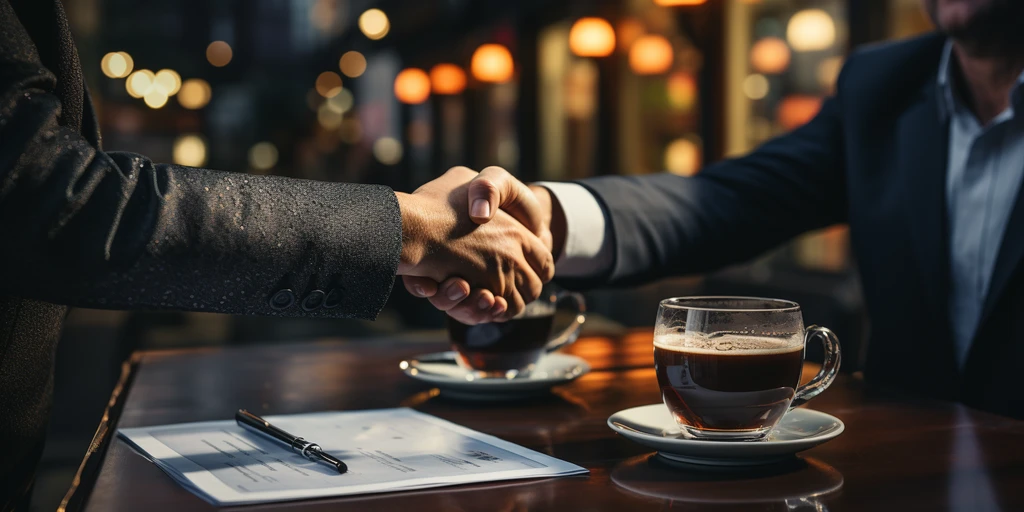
948, 101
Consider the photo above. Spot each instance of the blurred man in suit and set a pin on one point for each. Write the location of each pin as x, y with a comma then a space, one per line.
83, 227
921, 151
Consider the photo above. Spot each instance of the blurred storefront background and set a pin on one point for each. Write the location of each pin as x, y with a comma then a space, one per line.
396, 91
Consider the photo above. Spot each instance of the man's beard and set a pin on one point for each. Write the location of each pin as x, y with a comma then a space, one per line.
994, 29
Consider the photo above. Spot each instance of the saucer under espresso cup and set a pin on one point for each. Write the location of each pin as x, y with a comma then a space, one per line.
443, 370
653, 426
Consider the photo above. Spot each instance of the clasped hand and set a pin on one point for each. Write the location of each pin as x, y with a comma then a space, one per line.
477, 245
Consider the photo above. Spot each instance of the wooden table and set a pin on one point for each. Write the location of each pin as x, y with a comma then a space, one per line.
898, 452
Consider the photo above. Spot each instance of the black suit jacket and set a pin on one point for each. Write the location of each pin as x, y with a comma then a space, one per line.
875, 157
83, 227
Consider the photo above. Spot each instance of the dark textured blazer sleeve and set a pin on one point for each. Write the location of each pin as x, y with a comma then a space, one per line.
664, 224
82, 227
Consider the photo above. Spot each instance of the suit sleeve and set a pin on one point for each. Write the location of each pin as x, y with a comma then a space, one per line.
665, 225
82, 227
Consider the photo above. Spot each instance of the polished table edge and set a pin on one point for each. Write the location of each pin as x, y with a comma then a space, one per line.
88, 471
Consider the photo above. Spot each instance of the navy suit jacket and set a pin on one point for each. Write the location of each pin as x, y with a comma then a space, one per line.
874, 157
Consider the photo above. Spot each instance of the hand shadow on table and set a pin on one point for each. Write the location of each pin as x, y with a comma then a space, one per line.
793, 484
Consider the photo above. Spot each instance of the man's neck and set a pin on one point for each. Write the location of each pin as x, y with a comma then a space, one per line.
987, 79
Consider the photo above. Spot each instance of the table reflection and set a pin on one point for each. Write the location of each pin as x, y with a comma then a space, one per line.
798, 484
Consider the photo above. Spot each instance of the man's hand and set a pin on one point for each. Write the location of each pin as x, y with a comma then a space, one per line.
502, 261
491, 191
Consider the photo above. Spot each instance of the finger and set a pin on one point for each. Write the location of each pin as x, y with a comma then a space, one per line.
474, 309
499, 308
494, 188
420, 286
450, 293
528, 284
516, 304
538, 256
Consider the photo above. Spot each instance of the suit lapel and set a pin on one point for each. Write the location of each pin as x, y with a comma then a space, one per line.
1011, 250
924, 141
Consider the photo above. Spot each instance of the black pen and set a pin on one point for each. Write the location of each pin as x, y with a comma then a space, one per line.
311, 451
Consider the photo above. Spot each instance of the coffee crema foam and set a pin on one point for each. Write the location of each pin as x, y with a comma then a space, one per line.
729, 344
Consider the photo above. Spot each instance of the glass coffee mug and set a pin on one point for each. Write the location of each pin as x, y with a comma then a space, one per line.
729, 367
512, 348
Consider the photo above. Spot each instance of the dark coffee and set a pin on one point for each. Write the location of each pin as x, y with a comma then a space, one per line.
748, 385
496, 348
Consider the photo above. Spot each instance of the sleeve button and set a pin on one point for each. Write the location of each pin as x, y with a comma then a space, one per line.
283, 299
314, 300
333, 299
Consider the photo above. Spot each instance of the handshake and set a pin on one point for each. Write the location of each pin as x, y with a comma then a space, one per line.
478, 245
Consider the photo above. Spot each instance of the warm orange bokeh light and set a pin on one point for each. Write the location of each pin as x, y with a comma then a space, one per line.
627, 32
797, 110
328, 84
219, 53
682, 90
412, 86
592, 37
673, 3
447, 79
650, 55
492, 63
770, 55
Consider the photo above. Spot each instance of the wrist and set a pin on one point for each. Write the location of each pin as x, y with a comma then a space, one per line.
555, 217
413, 246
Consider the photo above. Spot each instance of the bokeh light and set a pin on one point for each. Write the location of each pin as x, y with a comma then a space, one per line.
755, 86
263, 156
810, 30
219, 53
328, 117
116, 64
352, 64
387, 150
769, 55
681, 88
194, 94
374, 24
169, 80
190, 150
341, 102
412, 86
156, 97
797, 110
447, 79
683, 156
828, 72
492, 63
650, 55
139, 83
675, 3
592, 37
627, 32
328, 84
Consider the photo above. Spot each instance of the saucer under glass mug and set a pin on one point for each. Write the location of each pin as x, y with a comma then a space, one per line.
512, 348
729, 367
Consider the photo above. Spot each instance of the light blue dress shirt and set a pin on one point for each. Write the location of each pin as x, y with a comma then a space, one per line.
984, 174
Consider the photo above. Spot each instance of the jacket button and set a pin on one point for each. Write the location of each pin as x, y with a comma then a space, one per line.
283, 299
314, 300
333, 299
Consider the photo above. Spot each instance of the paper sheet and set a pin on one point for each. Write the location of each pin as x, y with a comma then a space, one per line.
385, 450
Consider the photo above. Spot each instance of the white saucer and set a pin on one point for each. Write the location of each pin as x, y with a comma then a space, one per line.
441, 370
653, 426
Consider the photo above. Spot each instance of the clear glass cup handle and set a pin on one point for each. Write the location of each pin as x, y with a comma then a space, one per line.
829, 368
570, 333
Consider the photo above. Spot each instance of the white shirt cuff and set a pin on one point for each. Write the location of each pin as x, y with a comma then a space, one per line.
588, 250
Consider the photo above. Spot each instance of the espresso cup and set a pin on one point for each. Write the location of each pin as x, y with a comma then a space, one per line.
729, 367
512, 348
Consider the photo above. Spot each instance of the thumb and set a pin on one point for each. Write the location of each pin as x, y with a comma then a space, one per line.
494, 188
420, 286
